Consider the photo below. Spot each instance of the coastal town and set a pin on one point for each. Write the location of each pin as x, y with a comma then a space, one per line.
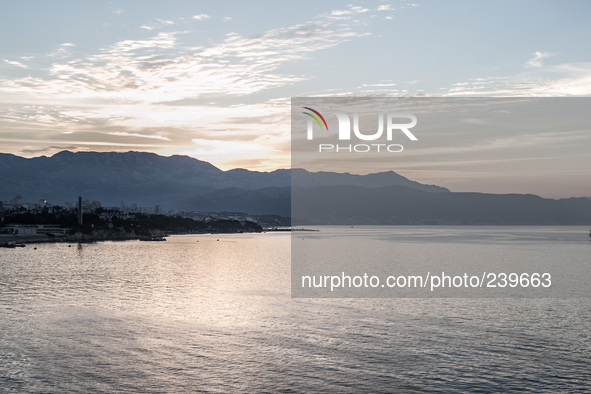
24, 222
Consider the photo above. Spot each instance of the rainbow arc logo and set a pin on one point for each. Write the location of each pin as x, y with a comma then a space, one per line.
315, 118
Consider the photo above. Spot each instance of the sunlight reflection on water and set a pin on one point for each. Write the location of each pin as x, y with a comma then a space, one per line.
195, 313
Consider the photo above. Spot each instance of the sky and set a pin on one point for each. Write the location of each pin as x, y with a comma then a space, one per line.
213, 80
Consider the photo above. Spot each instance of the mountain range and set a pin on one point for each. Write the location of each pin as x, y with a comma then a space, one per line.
182, 182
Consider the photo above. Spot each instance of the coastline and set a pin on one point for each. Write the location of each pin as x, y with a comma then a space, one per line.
6, 241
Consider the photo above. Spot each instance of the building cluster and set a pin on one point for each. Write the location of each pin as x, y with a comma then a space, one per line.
212, 216
125, 210
124, 206
19, 204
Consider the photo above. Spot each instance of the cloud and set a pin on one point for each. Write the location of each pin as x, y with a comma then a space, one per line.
226, 146
162, 40
159, 24
517, 142
165, 88
201, 17
536, 60
348, 12
571, 79
119, 11
161, 69
62, 51
385, 7
126, 134
388, 88
165, 22
15, 63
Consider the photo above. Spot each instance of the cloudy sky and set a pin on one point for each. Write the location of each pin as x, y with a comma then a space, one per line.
213, 80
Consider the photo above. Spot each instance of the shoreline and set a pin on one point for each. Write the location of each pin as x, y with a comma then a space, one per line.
7, 241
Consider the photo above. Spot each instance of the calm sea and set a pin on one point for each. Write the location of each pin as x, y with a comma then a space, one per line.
214, 313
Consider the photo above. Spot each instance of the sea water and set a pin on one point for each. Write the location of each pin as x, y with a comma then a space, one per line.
214, 313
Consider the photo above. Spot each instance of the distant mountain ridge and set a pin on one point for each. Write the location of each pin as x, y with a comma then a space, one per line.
346, 205
182, 182
149, 179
